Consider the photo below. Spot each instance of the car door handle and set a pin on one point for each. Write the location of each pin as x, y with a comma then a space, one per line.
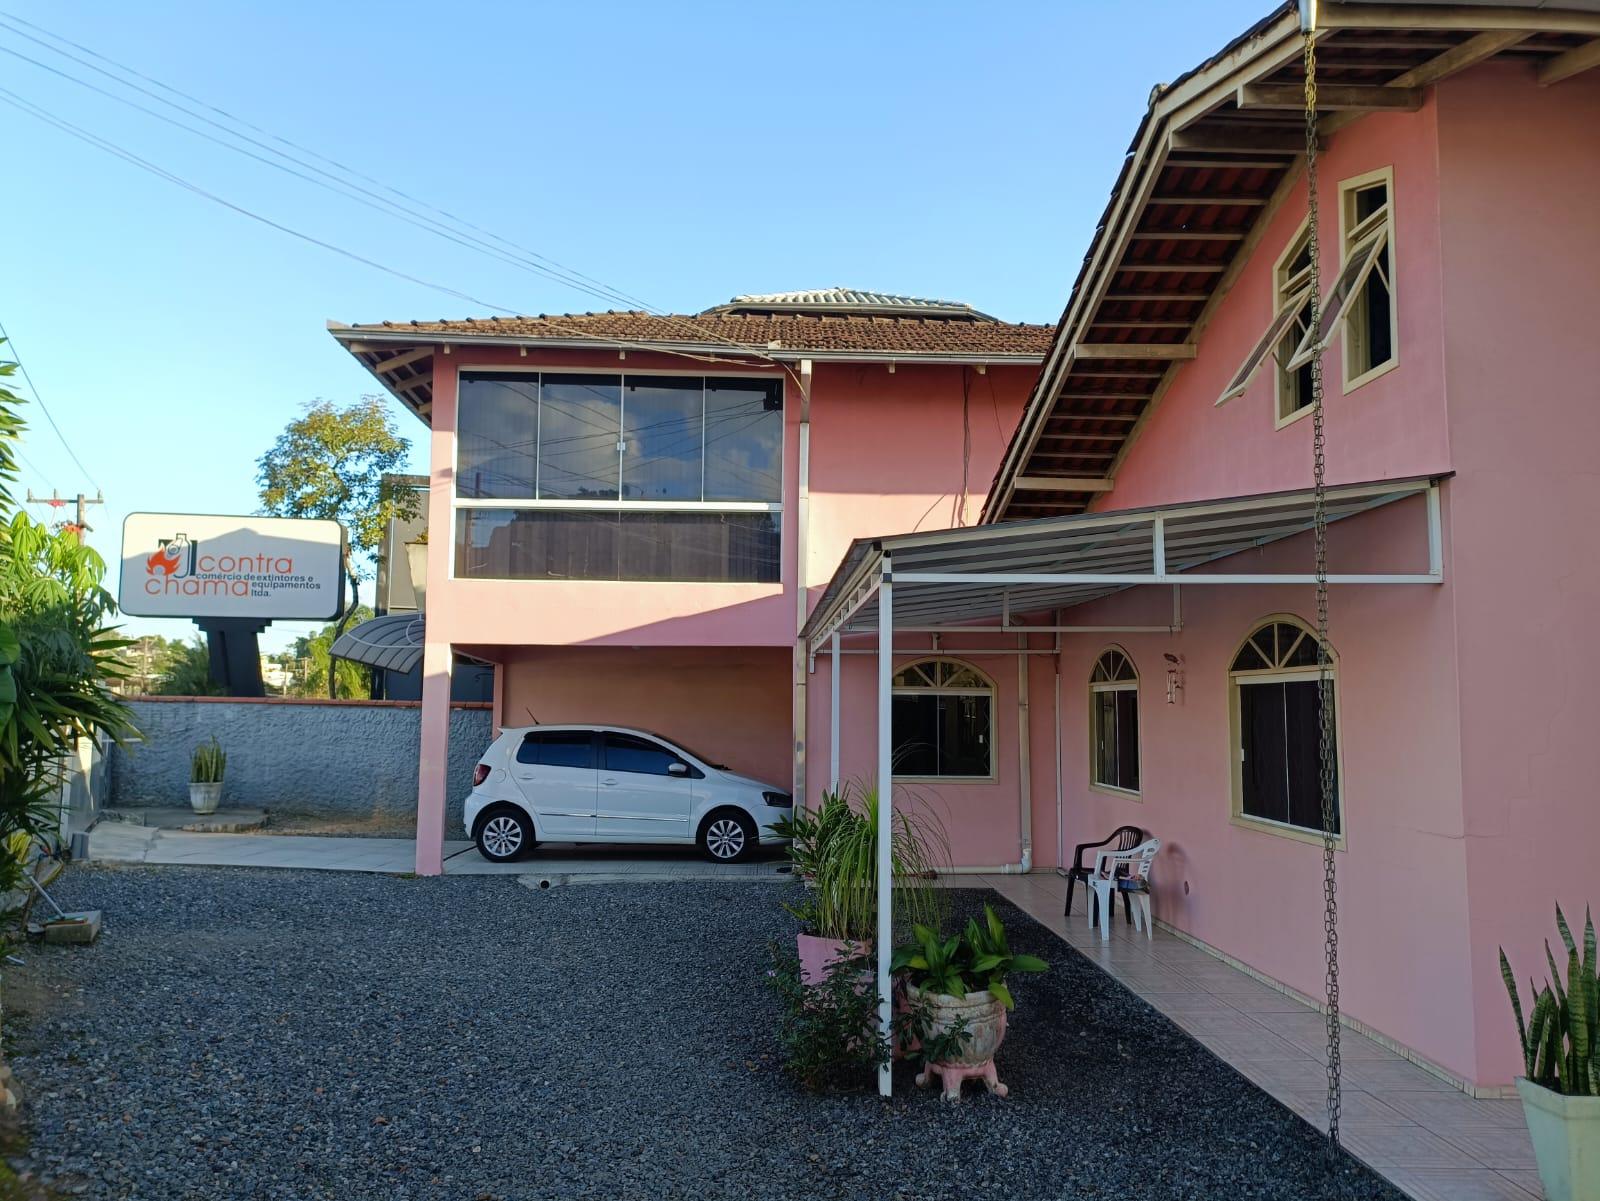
608, 782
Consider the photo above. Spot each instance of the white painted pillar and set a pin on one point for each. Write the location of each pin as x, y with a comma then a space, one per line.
833, 713
885, 813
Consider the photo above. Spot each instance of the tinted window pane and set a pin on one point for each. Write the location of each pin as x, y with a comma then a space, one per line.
580, 423
662, 432
963, 735
555, 544
1127, 739
744, 440
497, 436
558, 748
1105, 736
1281, 734
623, 752
1265, 785
698, 546
915, 722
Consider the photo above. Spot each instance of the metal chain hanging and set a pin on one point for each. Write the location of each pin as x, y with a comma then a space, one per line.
1325, 744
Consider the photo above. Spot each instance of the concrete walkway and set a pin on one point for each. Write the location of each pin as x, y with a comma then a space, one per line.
118, 842
1419, 1130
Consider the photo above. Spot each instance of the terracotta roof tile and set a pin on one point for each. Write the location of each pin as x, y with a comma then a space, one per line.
910, 336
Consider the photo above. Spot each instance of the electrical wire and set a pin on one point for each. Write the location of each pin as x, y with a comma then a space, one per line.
544, 266
44, 408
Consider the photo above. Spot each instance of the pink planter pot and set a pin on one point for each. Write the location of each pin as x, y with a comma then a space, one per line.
817, 955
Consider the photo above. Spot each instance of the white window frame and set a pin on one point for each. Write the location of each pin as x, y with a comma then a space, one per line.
1096, 687
1291, 292
458, 502
989, 690
1280, 675
1351, 235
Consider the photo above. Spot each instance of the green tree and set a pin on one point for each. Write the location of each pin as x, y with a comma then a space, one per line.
185, 669
352, 679
58, 657
330, 463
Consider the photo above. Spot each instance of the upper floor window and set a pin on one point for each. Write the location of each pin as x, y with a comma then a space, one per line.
943, 721
618, 476
1361, 302
1292, 278
593, 437
1277, 729
1366, 220
1114, 722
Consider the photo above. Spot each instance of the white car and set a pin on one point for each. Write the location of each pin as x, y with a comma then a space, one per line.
608, 784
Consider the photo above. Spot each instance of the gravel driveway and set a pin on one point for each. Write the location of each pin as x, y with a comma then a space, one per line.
268, 1034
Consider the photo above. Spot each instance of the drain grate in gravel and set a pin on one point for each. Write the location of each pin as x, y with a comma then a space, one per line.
273, 1034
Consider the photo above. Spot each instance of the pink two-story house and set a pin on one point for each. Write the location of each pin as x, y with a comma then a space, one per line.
628, 513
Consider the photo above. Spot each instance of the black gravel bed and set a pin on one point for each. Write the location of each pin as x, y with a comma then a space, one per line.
241, 1033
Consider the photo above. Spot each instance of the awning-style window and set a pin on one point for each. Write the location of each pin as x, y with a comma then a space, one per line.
392, 642
948, 577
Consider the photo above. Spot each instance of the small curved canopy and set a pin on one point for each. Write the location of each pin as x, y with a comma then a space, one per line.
392, 642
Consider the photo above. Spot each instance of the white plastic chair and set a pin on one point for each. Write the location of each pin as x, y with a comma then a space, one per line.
1112, 867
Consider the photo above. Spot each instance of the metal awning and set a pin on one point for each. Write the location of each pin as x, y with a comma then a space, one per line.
392, 642
950, 577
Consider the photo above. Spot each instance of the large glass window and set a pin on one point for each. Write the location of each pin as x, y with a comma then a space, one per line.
942, 721
619, 477
579, 436
497, 437
612, 544
1277, 720
1114, 722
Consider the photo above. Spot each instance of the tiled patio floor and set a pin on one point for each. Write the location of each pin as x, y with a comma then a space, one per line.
1429, 1138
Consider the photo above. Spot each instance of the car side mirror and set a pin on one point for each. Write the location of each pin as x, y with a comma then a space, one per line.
677, 769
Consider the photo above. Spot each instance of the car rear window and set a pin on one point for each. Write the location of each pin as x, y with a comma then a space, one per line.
558, 748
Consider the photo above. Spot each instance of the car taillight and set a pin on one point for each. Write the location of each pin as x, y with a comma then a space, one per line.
480, 774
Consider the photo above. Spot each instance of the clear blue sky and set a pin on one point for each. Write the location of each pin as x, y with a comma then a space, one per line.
681, 152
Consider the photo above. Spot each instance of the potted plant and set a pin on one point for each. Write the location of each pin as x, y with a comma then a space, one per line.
957, 988
206, 767
1561, 1055
840, 915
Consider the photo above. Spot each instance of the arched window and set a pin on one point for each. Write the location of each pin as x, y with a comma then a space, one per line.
1114, 722
1276, 718
943, 721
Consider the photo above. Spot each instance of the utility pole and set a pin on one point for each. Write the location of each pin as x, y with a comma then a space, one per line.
80, 525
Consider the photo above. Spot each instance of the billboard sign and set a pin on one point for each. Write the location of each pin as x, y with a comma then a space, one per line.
200, 565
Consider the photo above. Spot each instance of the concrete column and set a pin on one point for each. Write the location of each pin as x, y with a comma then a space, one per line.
433, 765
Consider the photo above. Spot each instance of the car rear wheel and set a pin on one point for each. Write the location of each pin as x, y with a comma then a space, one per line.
728, 836
504, 833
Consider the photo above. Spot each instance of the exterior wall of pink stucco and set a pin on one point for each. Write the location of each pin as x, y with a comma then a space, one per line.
1521, 173
711, 663
980, 819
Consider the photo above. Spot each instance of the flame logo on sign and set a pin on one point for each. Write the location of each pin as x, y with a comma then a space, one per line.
170, 559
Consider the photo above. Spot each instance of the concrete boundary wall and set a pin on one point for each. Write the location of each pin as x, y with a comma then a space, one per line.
337, 759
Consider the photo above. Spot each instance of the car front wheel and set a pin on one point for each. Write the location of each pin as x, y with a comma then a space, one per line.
503, 834
728, 836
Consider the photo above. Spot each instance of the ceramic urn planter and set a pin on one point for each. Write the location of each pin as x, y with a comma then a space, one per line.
204, 798
1566, 1141
986, 1030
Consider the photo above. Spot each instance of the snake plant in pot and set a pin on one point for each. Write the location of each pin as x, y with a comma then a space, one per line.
1561, 1056
206, 768
839, 851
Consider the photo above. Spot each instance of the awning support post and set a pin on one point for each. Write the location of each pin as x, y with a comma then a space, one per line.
833, 713
885, 813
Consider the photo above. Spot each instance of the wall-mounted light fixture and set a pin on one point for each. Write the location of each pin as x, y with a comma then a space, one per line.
1174, 677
